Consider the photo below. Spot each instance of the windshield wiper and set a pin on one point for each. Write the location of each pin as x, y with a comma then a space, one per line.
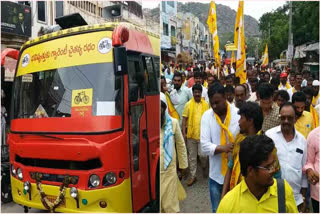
44, 135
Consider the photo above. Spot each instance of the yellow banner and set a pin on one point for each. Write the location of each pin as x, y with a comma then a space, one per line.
239, 42
265, 60
212, 24
82, 49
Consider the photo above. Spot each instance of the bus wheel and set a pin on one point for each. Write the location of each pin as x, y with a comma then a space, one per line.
26, 209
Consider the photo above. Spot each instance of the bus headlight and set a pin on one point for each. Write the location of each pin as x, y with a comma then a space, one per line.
13, 170
109, 179
94, 180
73, 192
27, 186
19, 174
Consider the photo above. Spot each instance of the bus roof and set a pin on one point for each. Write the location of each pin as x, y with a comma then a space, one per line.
74, 30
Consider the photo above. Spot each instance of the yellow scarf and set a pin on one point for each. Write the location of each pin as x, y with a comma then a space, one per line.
315, 116
172, 111
204, 107
223, 140
236, 176
287, 85
205, 84
236, 170
315, 100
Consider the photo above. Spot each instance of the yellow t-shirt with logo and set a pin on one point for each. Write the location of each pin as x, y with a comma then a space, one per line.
304, 124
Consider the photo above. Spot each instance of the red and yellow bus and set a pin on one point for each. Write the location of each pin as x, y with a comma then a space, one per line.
85, 121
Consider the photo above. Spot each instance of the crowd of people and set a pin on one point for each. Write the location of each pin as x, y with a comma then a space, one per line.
257, 142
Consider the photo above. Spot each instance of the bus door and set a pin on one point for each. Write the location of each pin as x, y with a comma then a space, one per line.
138, 143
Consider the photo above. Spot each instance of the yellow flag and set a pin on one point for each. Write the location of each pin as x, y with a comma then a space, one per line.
212, 24
186, 29
265, 60
239, 42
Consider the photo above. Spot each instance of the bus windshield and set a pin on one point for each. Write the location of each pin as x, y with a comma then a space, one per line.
57, 93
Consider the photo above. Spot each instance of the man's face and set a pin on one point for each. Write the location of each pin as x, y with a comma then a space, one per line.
287, 118
244, 124
273, 74
315, 90
308, 100
292, 80
229, 81
218, 103
283, 80
240, 96
177, 81
210, 81
280, 100
266, 104
266, 77
183, 77
300, 106
263, 177
198, 80
197, 95
253, 84
163, 86
298, 80
309, 82
250, 74
305, 76
229, 96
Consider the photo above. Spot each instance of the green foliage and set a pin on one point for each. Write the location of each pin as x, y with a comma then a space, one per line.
305, 27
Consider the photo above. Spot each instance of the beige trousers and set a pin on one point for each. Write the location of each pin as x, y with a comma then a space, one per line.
194, 150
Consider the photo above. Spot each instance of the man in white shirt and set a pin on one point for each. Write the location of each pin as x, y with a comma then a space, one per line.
179, 95
292, 153
219, 126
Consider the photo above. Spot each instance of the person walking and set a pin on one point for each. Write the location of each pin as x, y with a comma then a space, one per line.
172, 147
192, 114
219, 126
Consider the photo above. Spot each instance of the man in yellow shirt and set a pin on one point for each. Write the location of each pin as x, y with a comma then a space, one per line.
191, 115
304, 121
308, 91
258, 192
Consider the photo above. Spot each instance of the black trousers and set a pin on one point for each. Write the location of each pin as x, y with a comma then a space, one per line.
315, 205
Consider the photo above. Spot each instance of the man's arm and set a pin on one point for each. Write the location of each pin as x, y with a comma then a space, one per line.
226, 183
184, 126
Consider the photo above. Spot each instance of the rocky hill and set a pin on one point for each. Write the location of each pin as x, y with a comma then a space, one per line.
225, 17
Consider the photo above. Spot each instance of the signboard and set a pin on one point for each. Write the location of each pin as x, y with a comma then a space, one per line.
82, 49
15, 19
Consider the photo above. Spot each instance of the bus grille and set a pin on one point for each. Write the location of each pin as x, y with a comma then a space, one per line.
55, 178
60, 164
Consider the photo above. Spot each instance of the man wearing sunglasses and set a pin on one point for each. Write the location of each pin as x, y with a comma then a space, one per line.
292, 153
258, 191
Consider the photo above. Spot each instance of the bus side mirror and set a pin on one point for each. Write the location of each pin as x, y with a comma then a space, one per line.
120, 61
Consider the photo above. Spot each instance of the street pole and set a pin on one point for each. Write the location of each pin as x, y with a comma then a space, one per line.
290, 45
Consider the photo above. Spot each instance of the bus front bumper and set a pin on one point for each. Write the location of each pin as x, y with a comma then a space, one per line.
117, 198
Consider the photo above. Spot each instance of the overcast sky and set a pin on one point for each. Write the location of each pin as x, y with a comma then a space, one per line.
254, 8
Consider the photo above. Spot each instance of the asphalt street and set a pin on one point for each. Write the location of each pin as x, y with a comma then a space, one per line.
15, 208
198, 197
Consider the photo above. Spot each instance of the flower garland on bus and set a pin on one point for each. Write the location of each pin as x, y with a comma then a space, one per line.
45, 201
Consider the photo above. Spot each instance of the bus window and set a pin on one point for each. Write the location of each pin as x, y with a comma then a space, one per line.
150, 75
136, 113
135, 80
